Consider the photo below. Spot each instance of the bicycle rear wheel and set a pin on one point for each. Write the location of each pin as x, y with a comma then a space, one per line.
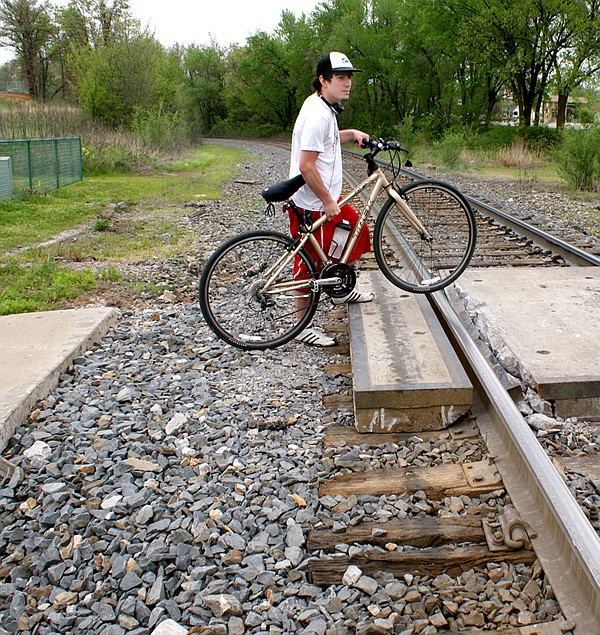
247, 294
420, 264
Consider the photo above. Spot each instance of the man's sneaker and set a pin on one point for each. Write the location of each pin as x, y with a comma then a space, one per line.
354, 297
315, 337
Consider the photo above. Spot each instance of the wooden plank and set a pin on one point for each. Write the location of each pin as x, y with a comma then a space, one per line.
333, 402
334, 369
349, 435
338, 313
588, 465
338, 349
336, 327
437, 482
450, 560
416, 532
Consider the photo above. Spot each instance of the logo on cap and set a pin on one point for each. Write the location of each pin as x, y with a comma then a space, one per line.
340, 62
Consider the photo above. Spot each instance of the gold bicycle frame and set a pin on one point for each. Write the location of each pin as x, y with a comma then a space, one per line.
379, 182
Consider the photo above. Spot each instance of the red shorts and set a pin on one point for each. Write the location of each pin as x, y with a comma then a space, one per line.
324, 236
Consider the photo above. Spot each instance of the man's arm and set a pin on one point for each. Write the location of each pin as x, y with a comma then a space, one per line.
352, 135
308, 169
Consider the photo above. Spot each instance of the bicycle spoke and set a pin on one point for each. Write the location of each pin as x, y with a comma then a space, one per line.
247, 293
420, 264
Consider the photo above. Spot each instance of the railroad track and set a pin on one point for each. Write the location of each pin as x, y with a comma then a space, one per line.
503, 239
511, 506
538, 519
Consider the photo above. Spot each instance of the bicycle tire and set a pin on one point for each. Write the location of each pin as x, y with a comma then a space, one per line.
413, 263
232, 301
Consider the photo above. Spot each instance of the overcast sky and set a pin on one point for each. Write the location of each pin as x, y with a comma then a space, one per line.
196, 21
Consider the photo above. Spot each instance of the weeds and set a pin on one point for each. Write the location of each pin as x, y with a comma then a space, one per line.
518, 156
101, 225
105, 149
580, 159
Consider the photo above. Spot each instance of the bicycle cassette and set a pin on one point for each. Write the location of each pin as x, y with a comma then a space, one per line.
347, 279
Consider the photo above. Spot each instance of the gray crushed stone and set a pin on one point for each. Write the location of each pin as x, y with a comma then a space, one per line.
170, 482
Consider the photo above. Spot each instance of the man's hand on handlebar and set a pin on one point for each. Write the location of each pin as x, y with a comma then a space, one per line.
380, 145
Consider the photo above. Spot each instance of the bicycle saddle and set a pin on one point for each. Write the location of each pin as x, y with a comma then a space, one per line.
282, 191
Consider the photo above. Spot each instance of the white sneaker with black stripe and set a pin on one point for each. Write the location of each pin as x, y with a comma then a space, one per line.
315, 337
355, 297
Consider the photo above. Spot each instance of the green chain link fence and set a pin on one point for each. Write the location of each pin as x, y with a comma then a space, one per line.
42, 165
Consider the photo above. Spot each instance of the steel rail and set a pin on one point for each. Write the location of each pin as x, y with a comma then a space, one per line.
565, 543
570, 253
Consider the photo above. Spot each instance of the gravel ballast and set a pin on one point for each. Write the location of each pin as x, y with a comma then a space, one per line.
170, 482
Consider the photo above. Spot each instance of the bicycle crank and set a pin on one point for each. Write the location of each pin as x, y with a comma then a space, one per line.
346, 279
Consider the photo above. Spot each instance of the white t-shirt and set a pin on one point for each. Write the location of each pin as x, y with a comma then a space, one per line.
316, 129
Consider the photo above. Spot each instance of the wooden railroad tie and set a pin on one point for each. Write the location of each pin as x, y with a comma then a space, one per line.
449, 560
472, 479
349, 436
415, 532
431, 541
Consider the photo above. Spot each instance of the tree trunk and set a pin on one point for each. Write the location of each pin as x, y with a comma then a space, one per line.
561, 113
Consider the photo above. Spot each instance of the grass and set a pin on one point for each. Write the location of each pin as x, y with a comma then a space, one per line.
34, 276
39, 287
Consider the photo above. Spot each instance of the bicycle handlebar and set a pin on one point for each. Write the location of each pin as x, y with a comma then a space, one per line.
380, 144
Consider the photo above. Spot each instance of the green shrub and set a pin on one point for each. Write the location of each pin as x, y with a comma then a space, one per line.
540, 137
493, 137
448, 152
161, 130
579, 157
101, 225
99, 159
406, 134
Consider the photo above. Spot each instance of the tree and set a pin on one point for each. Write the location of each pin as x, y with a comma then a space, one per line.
97, 23
26, 26
580, 59
260, 87
113, 82
205, 69
526, 40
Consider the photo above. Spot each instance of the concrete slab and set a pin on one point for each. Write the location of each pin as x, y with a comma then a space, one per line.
545, 323
406, 375
35, 348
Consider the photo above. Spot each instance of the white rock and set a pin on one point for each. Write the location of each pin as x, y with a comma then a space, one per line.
38, 451
169, 627
111, 501
223, 605
352, 575
177, 421
539, 421
53, 488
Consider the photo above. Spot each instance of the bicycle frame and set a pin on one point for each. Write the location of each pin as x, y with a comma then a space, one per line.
379, 182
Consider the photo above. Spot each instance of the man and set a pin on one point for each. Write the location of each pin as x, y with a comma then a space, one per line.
317, 155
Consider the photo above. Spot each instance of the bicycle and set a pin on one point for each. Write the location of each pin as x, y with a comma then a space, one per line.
423, 239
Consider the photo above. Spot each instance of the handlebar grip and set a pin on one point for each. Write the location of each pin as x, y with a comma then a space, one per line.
394, 145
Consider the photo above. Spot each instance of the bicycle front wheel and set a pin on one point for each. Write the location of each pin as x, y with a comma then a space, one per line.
247, 293
422, 262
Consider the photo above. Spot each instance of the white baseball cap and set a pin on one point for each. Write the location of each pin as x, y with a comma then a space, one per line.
335, 62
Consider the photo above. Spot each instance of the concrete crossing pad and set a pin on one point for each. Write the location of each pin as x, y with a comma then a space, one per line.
35, 348
544, 323
406, 376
